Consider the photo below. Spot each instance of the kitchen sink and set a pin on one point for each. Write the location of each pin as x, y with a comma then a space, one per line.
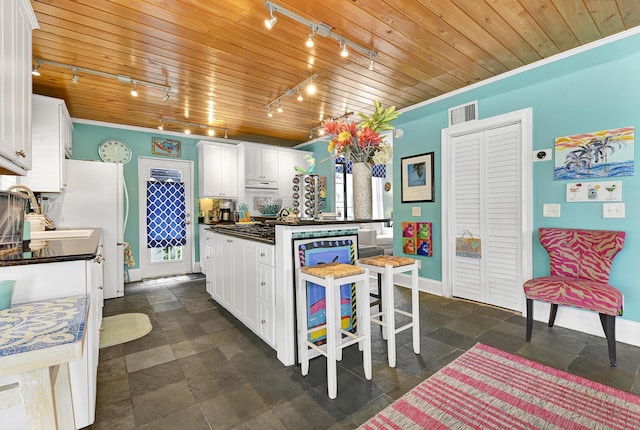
61, 234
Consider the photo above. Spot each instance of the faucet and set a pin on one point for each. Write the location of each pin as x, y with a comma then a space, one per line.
32, 198
48, 222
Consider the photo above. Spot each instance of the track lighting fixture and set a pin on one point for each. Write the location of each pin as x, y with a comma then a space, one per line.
269, 23
121, 78
134, 90
311, 88
291, 92
344, 52
319, 28
210, 130
371, 64
36, 68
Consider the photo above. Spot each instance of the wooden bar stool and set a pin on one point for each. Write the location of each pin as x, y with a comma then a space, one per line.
387, 266
331, 276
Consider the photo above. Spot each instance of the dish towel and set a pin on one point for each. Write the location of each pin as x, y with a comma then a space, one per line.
128, 261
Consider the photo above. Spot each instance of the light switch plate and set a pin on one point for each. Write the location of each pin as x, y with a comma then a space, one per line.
415, 211
551, 210
613, 210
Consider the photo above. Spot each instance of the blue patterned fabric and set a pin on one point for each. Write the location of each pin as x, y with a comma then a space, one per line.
377, 170
165, 214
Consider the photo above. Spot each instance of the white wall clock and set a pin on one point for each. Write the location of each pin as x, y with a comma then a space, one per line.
114, 151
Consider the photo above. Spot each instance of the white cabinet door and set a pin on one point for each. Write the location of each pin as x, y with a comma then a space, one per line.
202, 243
51, 132
218, 170
17, 21
266, 306
245, 298
261, 163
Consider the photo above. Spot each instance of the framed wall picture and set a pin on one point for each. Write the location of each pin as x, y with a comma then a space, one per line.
417, 178
166, 147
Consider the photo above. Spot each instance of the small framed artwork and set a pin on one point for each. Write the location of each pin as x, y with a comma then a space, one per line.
166, 147
417, 238
417, 178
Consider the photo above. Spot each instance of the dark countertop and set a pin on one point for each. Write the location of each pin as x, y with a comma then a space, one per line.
52, 250
298, 222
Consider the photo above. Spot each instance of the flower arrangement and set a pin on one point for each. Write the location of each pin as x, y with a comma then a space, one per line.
362, 142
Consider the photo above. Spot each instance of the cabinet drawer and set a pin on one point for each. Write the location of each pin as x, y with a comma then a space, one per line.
266, 255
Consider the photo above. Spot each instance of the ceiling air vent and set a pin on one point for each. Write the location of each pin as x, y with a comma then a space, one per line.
463, 113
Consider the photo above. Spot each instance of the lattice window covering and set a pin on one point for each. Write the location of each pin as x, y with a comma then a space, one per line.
166, 209
377, 170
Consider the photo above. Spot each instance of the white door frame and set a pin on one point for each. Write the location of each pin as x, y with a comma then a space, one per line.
523, 117
142, 222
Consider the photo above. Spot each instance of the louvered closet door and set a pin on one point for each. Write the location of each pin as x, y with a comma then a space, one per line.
488, 205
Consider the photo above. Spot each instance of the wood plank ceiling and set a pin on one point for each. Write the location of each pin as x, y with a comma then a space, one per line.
224, 66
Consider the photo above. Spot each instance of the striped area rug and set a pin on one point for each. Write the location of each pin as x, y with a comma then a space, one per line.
486, 388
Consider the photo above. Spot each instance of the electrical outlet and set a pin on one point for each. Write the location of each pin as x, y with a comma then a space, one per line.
415, 211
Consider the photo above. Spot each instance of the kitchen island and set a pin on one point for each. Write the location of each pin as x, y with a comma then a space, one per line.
260, 290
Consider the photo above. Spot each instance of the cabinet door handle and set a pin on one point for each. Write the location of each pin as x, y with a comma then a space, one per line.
263, 321
100, 287
262, 254
21, 153
262, 284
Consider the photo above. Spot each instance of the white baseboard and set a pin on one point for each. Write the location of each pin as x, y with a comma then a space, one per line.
572, 318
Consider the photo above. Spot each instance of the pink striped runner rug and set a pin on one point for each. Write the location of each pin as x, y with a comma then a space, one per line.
486, 388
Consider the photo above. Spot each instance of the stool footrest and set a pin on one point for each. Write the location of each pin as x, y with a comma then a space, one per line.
404, 327
405, 313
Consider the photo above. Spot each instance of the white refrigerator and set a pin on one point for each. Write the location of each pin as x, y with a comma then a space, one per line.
95, 196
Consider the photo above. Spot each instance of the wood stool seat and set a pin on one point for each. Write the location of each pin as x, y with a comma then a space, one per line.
331, 276
387, 266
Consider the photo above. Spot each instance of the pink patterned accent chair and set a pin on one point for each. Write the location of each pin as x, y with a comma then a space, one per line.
580, 263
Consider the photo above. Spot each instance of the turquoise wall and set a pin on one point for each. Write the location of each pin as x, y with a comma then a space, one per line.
589, 91
86, 139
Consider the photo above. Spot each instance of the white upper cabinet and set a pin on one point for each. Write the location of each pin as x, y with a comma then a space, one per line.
260, 163
51, 133
217, 170
17, 21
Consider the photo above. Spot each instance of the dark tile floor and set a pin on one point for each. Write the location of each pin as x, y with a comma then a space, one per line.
201, 369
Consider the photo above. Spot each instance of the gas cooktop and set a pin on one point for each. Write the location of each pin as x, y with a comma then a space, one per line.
260, 232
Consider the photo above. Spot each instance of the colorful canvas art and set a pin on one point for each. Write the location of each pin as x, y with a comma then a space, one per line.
167, 147
599, 154
311, 252
417, 238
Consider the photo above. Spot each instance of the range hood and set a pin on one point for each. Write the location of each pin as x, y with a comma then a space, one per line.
264, 185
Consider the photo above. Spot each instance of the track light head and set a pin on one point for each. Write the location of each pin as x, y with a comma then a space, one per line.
75, 76
279, 107
134, 90
186, 129
160, 126
270, 114
166, 96
269, 23
344, 52
36, 69
211, 132
226, 134
309, 41
311, 88
371, 65
300, 98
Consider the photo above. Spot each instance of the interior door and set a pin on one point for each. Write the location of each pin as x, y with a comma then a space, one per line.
487, 209
166, 229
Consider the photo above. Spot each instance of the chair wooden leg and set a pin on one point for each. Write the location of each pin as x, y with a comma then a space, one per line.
609, 325
529, 319
552, 314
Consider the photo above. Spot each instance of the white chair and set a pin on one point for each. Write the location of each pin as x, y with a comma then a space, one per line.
387, 266
331, 276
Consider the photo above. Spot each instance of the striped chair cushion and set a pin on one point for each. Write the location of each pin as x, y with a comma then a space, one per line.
581, 293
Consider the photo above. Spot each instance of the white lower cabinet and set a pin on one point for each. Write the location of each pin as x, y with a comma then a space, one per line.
241, 279
51, 280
